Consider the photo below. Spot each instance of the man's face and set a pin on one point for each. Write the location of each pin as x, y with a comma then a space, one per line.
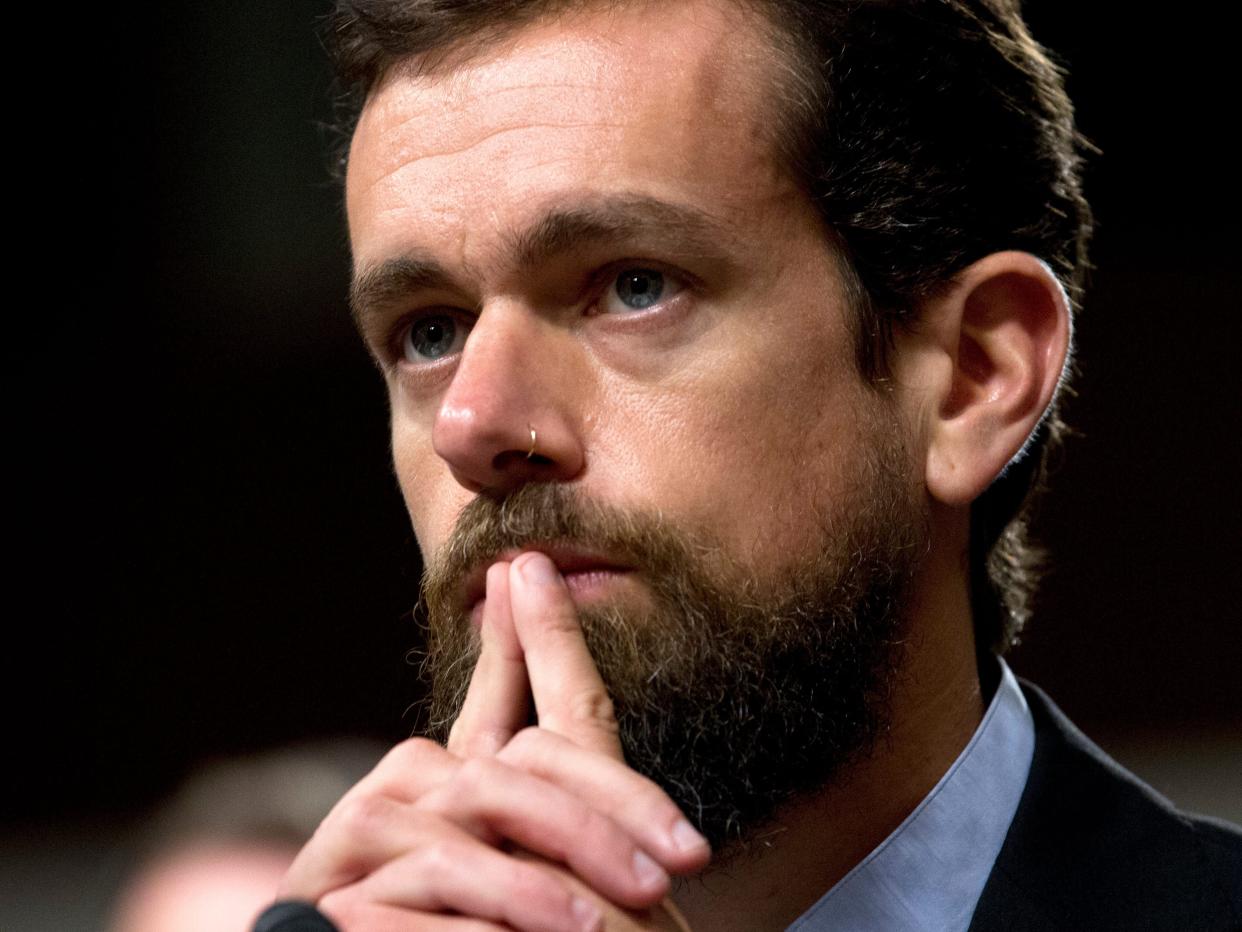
731, 404
583, 230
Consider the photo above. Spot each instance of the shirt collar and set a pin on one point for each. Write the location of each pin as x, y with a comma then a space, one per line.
930, 872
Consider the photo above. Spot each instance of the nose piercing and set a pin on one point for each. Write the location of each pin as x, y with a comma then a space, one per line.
533, 438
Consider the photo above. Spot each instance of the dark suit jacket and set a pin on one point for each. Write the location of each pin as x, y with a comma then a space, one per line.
1093, 848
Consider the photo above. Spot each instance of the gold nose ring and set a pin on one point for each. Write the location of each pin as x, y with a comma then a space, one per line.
533, 438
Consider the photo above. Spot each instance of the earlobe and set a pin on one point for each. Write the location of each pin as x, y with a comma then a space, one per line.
1005, 324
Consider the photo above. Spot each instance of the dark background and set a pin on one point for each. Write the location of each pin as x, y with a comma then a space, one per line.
210, 552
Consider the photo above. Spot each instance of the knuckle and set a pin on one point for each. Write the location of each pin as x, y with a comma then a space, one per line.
439, 858
393, 776
363, 815
467, 794
476, 773
410, 754
593, 707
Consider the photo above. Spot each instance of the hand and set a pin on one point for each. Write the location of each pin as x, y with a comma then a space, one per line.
663, 917
422, 834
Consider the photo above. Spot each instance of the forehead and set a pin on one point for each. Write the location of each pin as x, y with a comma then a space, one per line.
669, 100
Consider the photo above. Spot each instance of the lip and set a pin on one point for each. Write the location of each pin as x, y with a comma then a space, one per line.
568, 559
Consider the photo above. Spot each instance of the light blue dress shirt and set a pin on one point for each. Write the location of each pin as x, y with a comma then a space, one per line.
929, 873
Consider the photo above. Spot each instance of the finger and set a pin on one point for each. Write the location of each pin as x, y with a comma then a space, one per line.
358, 836
488, 797
570, 697
409, 770
371, 823
443, 861
497, 702
361, 916
608, 786
662, 917
457, 873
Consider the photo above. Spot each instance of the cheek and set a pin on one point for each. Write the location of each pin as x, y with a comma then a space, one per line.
432, 498
739, 450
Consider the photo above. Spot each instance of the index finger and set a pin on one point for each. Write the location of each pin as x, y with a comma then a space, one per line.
496, 700
570, 696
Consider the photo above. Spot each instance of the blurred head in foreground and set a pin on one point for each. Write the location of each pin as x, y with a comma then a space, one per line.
213, 856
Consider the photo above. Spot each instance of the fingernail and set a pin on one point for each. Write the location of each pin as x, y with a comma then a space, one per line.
587, 915
685, 838
538, 570
648, 872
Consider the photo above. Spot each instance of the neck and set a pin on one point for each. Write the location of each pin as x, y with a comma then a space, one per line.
813, 842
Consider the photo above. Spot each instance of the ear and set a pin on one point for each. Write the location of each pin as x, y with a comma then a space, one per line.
1002, 334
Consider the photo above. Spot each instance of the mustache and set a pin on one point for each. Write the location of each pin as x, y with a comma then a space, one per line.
544, 514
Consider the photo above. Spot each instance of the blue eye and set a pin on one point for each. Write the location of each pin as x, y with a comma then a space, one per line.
429, 338
640, 288
637, 288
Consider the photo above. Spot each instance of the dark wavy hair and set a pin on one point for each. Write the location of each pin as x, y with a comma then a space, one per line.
928, 133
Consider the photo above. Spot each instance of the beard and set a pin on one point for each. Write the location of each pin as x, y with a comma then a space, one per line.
736, 691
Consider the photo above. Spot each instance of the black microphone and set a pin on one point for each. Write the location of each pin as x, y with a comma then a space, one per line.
293, 916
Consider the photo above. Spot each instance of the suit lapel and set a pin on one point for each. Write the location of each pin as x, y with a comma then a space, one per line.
1090, 846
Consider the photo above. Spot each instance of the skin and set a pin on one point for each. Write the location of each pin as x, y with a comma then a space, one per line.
732, 406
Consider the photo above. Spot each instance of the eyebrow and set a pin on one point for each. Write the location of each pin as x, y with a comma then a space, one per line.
669, 227
380, 286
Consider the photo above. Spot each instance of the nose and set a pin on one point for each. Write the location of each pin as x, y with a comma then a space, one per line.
508, 416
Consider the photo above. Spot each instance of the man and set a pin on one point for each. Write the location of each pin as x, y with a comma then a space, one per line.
723, 341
